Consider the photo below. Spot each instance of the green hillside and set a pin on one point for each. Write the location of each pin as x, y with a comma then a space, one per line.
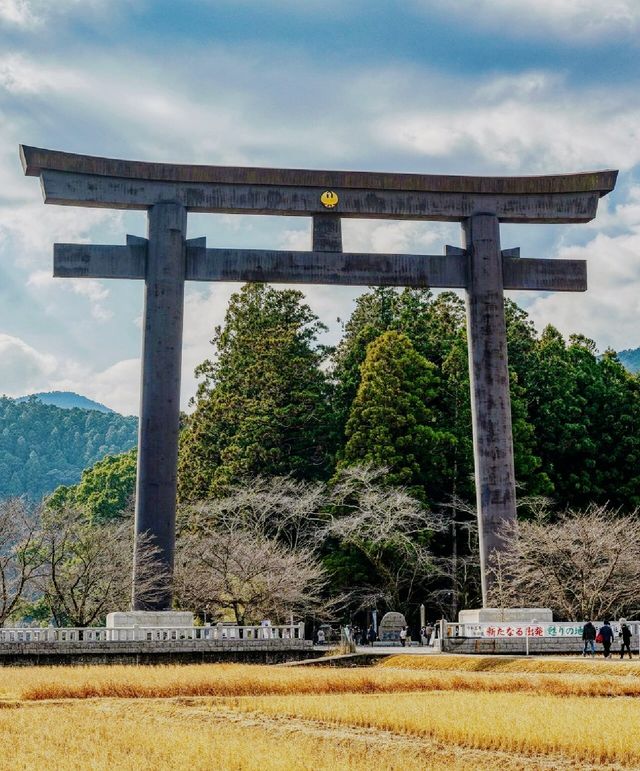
43, 446
631, 359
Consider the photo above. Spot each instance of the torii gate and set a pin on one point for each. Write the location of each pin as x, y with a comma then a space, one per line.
166, 259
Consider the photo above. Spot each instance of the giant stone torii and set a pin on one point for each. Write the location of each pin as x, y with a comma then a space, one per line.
165, 259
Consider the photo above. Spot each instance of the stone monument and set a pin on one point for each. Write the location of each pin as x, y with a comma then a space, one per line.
166, 259
390, 627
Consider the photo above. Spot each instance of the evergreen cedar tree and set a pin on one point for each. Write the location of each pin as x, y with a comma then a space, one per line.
263, 405
104, 491
273, 402
393, 421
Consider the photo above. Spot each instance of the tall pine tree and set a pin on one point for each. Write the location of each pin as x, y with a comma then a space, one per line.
262, 407
393, 422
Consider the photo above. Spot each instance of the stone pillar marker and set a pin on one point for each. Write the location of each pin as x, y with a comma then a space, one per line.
166, 259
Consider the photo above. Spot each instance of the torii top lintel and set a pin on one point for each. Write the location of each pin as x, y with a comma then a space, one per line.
84, 180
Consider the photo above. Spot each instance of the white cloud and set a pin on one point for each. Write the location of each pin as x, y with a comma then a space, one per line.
18, 12
24, 369
581, 20
32, 14
533, 122
609, 311
398, 237
20, 75
93, 290
117, 386
33, 228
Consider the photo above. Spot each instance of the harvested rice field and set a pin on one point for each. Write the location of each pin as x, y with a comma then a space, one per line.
434, 711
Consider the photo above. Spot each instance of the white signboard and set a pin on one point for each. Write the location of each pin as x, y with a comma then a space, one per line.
531, 629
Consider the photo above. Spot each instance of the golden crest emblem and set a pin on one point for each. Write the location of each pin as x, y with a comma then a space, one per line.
329, 199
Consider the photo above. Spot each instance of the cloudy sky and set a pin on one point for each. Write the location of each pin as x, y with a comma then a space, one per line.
432, 86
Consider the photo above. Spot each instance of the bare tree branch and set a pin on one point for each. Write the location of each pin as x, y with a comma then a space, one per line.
20, 553
88, 569
387, 525
254, 577
584, 565
280, 508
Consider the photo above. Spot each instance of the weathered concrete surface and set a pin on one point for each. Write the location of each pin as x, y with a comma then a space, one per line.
492, 615
352, 268
149, 618
537, 274
72, 189
515, 646
92, 261
165, 652
326, 234
156, 484
490, 397
35, 160
322, 265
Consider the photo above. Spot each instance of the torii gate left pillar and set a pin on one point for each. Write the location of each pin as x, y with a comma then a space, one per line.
159, 426
166, 259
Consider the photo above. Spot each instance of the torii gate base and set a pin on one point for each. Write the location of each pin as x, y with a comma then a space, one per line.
166, 259
502, 615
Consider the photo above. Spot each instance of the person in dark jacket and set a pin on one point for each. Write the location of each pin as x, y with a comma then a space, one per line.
606, 633
625, 633
589, 638
371, 634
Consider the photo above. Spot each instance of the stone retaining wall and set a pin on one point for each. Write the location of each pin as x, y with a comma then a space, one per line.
517, 646
162, 652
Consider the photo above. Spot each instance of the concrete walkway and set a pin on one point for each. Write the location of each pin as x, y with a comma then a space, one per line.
386, 650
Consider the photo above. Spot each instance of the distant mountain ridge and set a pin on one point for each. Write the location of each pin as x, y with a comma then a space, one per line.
66, 400
43, 446
630, 358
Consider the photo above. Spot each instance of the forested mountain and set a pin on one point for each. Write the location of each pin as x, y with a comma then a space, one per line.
66, 400
631, 359
43, 446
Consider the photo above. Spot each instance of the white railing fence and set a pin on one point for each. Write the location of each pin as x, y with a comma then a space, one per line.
220, 632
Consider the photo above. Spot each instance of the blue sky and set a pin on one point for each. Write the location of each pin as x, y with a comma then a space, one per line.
450, 86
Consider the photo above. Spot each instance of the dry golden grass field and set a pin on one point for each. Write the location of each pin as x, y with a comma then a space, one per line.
431, 712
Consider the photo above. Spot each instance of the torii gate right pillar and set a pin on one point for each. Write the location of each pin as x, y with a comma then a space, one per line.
490, 399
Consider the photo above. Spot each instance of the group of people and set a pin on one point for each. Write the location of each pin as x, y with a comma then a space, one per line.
605, 637
426, 634
366, 636
351, 634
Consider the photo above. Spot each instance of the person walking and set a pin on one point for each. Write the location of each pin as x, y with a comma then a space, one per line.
625, 633
371, 634
403, 636
428, 633
606, 635
589, 638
